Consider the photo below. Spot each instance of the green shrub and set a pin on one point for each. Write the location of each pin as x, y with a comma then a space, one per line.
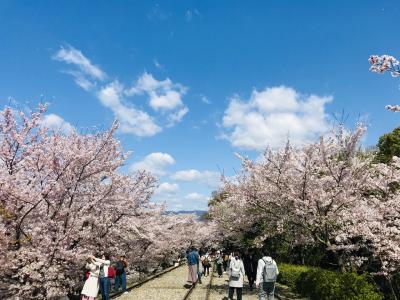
321, 284
289, 274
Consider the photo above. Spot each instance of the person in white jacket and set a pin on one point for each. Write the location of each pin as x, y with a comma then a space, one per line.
91, 287
236, 276
92, 283
267, 272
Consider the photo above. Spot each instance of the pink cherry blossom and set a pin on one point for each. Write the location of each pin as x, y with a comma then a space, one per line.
63, 197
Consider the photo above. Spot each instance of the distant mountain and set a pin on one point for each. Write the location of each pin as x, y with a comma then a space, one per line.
197, 213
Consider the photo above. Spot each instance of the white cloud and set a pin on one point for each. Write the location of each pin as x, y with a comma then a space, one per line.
164, 96
132, 120
167, 188
196, 197
155, 163
177, 116
272, 116
56, 123
210, 178
81, 80
75, 57
187, 175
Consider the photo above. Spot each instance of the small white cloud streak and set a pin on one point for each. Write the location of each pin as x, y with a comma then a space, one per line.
196, 197
158, 65
190, 14
212, 179
205, 99
75, 57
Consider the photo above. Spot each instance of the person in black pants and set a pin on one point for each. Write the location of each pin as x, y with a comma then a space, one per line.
236, 276
206, 264
226, 260
219, 262
250, 265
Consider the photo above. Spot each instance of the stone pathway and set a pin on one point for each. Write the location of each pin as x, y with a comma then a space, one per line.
219, 289
173, 286
200, 291
169, 286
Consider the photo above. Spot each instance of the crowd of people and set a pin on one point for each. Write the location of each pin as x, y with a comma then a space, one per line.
103, 275
261, 270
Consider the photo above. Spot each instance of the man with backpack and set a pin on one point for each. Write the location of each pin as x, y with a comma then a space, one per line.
120, 278
267, 272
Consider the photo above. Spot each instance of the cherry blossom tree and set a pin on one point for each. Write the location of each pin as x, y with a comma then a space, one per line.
62, 197
328, 194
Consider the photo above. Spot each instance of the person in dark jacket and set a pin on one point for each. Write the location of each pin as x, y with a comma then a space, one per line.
250, 265
120, 278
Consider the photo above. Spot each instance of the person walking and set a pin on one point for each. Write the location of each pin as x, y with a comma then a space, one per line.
267, 272
206, 262
200, 271
91, 287
193, 260
219, 261
250, 266
226, 261
120, 277
236, 276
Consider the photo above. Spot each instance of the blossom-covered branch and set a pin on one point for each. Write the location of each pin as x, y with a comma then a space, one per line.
382, 64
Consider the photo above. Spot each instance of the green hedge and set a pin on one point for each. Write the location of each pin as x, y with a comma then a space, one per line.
320, 284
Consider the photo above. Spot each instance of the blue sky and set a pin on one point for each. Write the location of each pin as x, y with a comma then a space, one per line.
193, 82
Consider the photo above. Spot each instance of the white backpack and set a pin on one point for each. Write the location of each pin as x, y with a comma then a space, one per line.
235, 272
270, 271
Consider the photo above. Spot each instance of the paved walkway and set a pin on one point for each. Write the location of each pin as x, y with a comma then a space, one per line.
200, 291
219, 289
173, 286
169, 286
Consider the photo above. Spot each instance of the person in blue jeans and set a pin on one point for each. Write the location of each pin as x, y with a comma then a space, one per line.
120, 277
104, 281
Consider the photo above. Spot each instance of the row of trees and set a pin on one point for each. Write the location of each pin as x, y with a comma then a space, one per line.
328, 203
62, 197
